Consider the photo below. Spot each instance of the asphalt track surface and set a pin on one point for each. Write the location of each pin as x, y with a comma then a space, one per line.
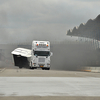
26, 84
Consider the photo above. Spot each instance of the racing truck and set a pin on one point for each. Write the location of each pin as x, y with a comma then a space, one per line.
37, 57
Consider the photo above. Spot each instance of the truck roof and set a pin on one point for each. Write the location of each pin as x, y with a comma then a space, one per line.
41, 45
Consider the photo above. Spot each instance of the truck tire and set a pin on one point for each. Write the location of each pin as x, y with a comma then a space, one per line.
48, 68
20, 67
32, 68
42, 68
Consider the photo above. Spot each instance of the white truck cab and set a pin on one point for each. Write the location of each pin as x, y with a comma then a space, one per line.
40, 55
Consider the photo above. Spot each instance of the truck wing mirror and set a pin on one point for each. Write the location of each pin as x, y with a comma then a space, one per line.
51, 53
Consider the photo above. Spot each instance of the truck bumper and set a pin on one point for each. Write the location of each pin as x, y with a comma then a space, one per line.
41, 66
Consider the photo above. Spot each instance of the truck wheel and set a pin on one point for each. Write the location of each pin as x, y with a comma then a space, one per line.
48, 68
32, 68
20, 67
42, 68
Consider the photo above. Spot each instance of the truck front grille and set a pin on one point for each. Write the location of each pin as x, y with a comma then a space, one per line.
41, 59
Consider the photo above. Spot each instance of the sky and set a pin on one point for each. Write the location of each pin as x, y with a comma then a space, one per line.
27, 20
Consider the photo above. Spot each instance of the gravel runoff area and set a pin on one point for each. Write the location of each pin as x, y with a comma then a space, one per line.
44, 73
4, 72
49, 98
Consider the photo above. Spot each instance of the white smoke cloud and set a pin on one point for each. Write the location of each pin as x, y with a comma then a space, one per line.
24, 20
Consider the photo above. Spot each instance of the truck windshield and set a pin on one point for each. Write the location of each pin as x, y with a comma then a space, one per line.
41, 53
